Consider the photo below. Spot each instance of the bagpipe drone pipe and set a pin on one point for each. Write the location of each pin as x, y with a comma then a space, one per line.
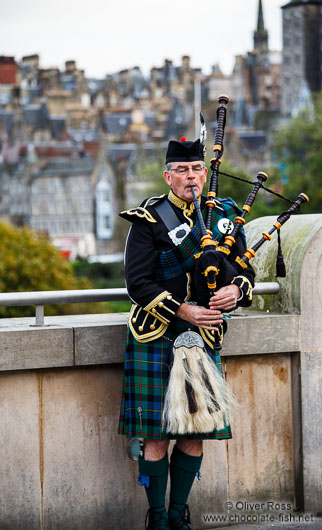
198, 399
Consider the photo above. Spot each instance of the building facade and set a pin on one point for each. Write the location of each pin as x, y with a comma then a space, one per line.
302, 52
256, 78
73, 200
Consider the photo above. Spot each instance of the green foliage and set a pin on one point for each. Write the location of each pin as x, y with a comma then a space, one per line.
104, 276
29, 262
118, 307
297, 147
264, 204
152, 174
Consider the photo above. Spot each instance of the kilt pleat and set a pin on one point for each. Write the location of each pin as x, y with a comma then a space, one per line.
146, 373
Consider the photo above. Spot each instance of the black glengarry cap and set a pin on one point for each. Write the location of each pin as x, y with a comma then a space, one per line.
184, 151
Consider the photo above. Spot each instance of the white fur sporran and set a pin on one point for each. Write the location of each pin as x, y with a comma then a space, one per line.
198, 399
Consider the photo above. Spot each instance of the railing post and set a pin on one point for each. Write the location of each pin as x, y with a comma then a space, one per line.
40, 315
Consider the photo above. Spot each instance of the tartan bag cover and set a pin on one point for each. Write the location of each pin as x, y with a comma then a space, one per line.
179, 260
146, 372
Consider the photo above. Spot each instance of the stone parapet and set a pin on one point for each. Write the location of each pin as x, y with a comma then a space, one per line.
68, 341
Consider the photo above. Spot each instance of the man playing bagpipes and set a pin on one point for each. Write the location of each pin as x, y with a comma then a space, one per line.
173, 386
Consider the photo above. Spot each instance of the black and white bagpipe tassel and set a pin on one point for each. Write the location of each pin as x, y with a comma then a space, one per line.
198, 399
280, 265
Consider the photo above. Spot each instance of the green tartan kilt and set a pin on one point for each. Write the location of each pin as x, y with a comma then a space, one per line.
146, 372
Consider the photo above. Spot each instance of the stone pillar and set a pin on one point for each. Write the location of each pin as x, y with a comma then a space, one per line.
311, 372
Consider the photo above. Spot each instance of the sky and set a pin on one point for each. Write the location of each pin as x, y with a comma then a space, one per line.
105, 36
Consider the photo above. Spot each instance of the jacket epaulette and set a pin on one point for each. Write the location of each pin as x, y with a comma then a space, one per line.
151, 201
141, 212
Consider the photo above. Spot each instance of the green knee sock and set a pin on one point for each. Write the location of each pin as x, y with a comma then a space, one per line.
183, 469
154, 476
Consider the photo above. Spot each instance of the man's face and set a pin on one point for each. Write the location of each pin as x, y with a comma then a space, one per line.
183, 175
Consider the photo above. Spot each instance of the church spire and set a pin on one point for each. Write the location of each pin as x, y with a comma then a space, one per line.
260, 18
260, 35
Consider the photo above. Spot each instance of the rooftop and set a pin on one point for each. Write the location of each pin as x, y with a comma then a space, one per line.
294, 3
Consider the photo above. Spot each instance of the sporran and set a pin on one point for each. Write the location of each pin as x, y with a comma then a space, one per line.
198, 399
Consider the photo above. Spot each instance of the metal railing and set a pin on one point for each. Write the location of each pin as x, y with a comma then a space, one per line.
41, 298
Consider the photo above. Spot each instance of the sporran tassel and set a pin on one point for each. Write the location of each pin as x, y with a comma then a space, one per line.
207, 383
189, 391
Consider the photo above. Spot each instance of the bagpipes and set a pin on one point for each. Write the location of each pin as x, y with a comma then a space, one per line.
198, 399
213, 257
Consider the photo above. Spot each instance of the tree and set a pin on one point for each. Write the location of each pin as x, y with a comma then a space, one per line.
152, 174
264, 204
29, 262
297, 147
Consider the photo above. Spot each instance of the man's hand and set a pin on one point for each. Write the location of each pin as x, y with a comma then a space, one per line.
225, 298
200, 316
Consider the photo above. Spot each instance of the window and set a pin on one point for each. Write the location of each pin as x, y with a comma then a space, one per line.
104, 212
107, 221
